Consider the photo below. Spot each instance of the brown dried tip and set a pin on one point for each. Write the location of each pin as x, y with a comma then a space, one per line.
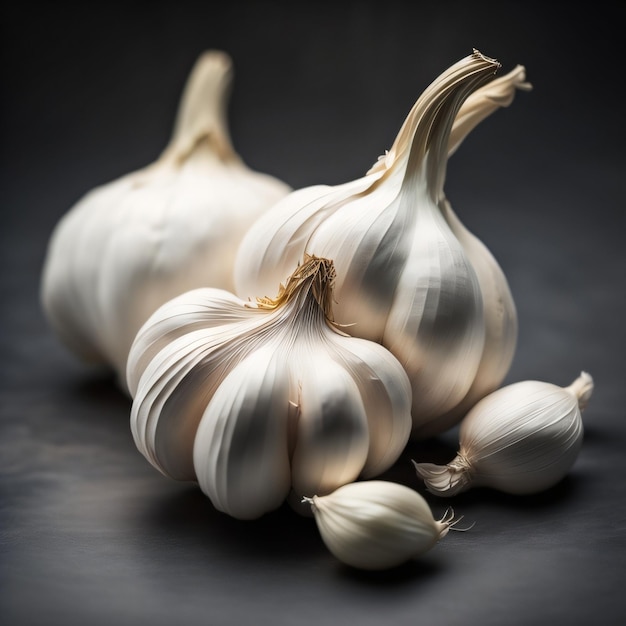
479, 55
316, 275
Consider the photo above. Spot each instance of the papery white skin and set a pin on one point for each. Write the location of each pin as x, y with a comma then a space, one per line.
376, 524
410, 276
520, 439
132, 244
256, 401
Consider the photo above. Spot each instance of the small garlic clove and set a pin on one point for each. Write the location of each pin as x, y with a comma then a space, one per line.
376, 524
520, 439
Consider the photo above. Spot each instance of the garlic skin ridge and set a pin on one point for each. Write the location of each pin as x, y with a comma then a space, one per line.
377, 525
409, 275
521, 439
130, 245
256, 400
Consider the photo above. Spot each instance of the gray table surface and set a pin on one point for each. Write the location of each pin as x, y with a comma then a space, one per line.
89, 532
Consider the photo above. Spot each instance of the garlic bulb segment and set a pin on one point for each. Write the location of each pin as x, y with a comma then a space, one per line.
499, 319
520, 439
260, 400
376, 524
409, 275
132, 244
499, 311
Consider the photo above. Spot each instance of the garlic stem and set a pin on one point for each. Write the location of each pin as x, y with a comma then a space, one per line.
202, 113
499, 93
582, 388
423, 135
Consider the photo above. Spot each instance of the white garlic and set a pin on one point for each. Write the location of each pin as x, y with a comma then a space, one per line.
376, 524
410, 276
132, 244
520, 439
253, 400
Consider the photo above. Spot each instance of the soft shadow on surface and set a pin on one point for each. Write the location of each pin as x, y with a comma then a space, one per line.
189, 517
553, 499
423, 568
100, 386
190, 521
93, 397
443, 449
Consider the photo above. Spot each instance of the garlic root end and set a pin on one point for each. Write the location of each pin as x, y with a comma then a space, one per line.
443, 480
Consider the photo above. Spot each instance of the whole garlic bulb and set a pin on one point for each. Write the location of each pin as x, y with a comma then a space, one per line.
132, 244
253, 400
410, 276
520, 439
376, 524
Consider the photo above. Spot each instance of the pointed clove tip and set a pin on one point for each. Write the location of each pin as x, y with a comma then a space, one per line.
213, 65
582, 388
216, 57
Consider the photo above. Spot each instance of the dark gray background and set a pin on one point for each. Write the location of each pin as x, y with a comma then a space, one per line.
89, 532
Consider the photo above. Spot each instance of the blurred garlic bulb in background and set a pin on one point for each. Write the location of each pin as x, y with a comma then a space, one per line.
409, 275
377, 524
263, 401
132, 244
520, 439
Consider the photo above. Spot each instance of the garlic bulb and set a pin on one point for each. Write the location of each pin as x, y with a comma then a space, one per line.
410, 276
376, 524
132, 244
520, 439
255, 399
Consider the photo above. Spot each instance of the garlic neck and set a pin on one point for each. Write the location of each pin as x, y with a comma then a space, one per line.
498, 93
202, 114
581, 389
420, 151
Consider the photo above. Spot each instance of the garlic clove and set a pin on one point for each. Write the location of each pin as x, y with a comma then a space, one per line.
377, 525
240, 450
384, 393
332, 442
197, 309
132, 244
520, 439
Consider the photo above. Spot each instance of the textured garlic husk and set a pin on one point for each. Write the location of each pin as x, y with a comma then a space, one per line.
377, 524
262, 400
520, 439
132, 244
410, 276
